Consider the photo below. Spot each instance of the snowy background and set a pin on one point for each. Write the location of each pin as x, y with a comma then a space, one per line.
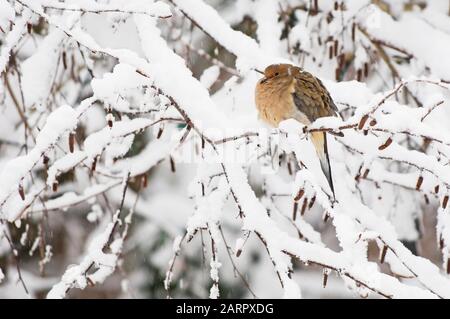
133, 163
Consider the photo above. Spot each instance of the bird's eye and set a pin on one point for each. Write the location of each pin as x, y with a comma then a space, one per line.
277, 74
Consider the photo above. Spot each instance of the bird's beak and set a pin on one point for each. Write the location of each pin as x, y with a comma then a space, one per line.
264, 79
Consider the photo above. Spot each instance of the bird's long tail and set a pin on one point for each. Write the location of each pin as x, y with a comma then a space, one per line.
319, 140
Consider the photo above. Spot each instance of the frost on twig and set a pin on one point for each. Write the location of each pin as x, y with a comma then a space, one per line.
147, 107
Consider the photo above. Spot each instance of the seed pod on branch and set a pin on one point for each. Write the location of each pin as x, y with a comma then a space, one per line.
444, 202
71, 142
172, 165
359, 75
436, 189
448, 266
366, 69
419, 183
64, 60
385, 144
294, 211
55, 186
299, 195
21, 192
94, 164
144, 180
311, 203
160, 131
353, 31
383, 254
325, 277
110, 119
366, 173
304, 205
363, 121
316, 7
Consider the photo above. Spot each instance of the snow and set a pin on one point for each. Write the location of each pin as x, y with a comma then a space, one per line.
158, 9
173, 137
13, 37
425, 37
209, 76
59, 122
37, 88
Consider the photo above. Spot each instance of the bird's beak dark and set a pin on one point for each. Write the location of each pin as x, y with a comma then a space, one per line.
264, 79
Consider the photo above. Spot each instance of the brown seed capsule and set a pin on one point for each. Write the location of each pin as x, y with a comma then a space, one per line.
386, 144
330, 52
289, 168
383, 254
325, 278
366, 173
336, 5
144, 180
353, 31
110, 122
444, 202
172, 165
294, 211
419, 183
71, 142
203, 142
192, 235
330, 17
365, 132
362, 122
425, 197
64, 60
336, 47
299, 195
29, 27
373, 122
316, 6
21, 192
441, 242
55, 186
312, 201
45, 159
305, 204
366, 70
436, 189
448, 266
94, 164
359, 75
160, 131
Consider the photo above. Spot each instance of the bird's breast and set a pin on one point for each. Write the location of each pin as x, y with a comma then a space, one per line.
275, 103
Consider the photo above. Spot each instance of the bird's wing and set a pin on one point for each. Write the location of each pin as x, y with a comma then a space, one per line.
312, 98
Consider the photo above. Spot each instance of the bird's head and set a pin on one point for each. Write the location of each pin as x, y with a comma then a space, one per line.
278, 71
